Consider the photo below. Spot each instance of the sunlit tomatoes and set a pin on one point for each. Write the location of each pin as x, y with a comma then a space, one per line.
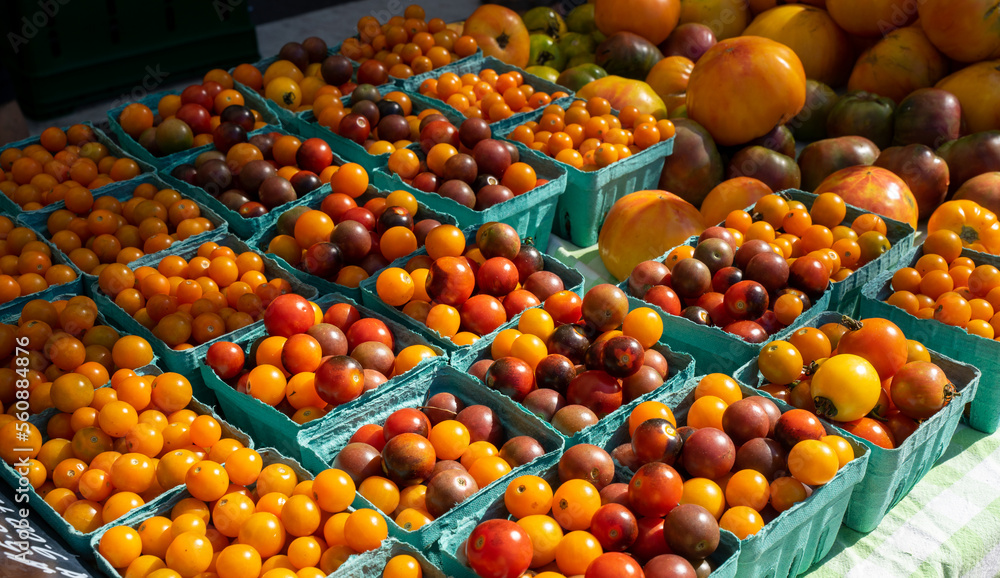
499, 549
845, 387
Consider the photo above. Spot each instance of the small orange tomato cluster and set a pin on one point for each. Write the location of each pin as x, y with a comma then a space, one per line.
247, 519
63, 336
487, 95
96, 232
63, 163
185, 303
26, 263
588, 136
113, 449
406, 45
816, 232
945, 286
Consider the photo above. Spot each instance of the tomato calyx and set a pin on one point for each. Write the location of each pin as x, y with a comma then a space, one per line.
851, 324
825, 407
503, 39
969, 235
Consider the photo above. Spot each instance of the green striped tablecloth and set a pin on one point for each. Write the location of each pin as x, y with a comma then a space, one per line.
948, 525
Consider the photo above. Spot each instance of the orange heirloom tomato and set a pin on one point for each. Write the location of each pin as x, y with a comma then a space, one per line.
977, 226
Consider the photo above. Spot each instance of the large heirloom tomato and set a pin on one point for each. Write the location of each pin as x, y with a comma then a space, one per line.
977, 87
871, 17
900, 63
967, 31
816, 39
744, 87
978, 227
845, 387
654, 20
874, 189
500, 33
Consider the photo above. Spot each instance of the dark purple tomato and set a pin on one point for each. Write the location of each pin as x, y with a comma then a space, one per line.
809, 275
669, 566
393, 217
322, 260
251, 210
375, 356
555, 371
568, 340
697, 314
691, 531
369, 110
527, 261
461, 167
515, 155
304, 182
520, 450
749, 331
715, 253
645, 380
544, 403
768, 269
690, 278
623, 356
442, 406
359, 461
708, 453
353, 240
233, 200
587, 462
239, 115
265, 143
447, 490
490, 195
276, 191
543, 284
744, 420
655, 440
473, 130
594, 358
339, 380
492, 157
725, 278
483, 424
484, 180
746, 300
458, 191
646, 275
332, 340
605, 307
186, 172
227, 135
597, 390
763, 455
422, 228
254, 173
748, 250
392, 127
408, 459
388, 107
511, 377
336, 69
214, 176
294, 53
615, 527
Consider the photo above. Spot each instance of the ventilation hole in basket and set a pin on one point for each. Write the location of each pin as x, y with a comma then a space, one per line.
793, 567
901, 491
823, 537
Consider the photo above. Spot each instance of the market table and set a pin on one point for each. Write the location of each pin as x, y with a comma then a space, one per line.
948, 525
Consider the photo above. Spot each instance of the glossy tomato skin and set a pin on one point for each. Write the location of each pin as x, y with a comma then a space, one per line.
797, 425
749, 331
369, 329
340, 379
614, 565
655, 489
564, 307
878, 340
517, 301
746, 300
810, 275
870, 430
314, 155
921, 389
289, 314
596, 390
226, 359
482, 314
511, 377
665, 298
499, 549
623, 356
451, 281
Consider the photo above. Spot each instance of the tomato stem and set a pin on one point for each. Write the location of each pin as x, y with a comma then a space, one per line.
852, 324
825, 407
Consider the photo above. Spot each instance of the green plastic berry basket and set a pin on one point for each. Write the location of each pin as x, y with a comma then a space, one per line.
134, 519
239, 225
273, 428
373, 562
452, 543
461, 356
13, 210
250, 98
305, 124
321, 445
591, 194
80, 542
891, 474
799, 537
38, 220
713, 349
531, 214
186, 362
262, 239
467, 66
984, 411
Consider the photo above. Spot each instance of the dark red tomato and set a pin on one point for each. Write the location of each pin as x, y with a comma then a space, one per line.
665, 298
406, 420
499, 549
555, 371
880, 341
797, 425
370, 434
615, 527
289, 314
369, 329
482, 314
498, 240
212, 88
800, 395
227, 135
810, 275
655, 440
451, 281
777, 392
517, 301
340, 379
528, 261
871, 430
497, 276
372, 72
226, 359
645, 276
769, 322
768, 269
336, 205
596, 390
746, 300
197, 94
708, 453
900, 427
605, 307
564, 307
322, 260
650, 542
715, 304
314, 155
614, 565
437, 132
252, 210
669, 566
408, 459
623, 356
343, 315
749, 331
196, 116
569, 340
511, 377
360, 215
355, 127
655, 489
